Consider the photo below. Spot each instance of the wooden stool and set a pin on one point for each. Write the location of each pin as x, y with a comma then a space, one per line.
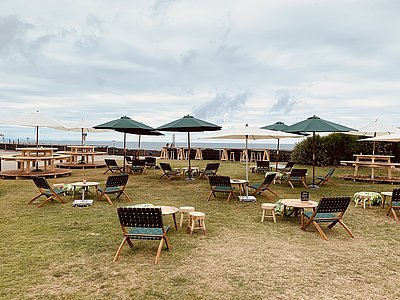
199, 154
265, 207
252, 156
196, 216
259, 156
183, 210
181, 154
224, 155
266, 155
232, 156
244, 156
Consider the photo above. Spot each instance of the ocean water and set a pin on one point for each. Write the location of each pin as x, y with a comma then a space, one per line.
158, 145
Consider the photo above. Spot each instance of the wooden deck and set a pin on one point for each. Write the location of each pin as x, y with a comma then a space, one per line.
17, 174
366, 178
66, 165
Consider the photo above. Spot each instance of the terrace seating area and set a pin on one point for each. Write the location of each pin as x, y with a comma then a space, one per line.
93, 232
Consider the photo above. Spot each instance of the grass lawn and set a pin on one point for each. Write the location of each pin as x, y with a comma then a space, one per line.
64, 252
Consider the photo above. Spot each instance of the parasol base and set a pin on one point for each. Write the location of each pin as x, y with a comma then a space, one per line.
247, 199
82, 203
313, 186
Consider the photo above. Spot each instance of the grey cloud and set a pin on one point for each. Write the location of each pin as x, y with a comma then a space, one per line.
92, 29
284, 103
222, 106
15, 42
189, 56
159, 7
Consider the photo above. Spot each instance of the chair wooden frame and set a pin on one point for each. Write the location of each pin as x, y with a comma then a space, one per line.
144, 224
326, 178
297, 175
46, 190
394, 204
264, 186
115, 185
209, 170
220, 184
112, 166
169, 172
328, 210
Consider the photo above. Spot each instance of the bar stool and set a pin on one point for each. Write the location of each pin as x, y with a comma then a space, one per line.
232, 156
265, 207
259, 156
183, 210
224, 155
252, 156
194, 217
164, 153
244, 156
199, 154
181, 154
266, 155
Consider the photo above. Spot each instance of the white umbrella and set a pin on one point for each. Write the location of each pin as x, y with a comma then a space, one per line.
83, 127
36, 120
248, 133
374, 129
392, 137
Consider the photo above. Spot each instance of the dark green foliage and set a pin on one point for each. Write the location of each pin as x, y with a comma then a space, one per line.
333, 148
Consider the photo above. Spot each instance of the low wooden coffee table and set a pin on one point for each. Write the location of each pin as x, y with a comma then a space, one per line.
84, 185
169, 210
298, 205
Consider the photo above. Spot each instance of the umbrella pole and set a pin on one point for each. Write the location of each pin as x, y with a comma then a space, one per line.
138, 150
313, 186
247, 168
37, 136
277, 157
190, 168
124, 150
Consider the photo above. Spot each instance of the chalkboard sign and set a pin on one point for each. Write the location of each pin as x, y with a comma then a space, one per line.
304, 196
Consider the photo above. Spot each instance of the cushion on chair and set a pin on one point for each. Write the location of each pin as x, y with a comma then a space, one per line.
110, 189
222, 189
148, 231
321, 215
255, 185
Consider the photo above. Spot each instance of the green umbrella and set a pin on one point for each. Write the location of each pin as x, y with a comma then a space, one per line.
189, 124
279, 126
127, 125
315, 124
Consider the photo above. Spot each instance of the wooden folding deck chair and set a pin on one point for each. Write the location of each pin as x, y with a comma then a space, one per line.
262, 166
297, 176
143, 224
137, 166
46, 190
260, 188
287, 169
328, 210
112, 166
394, 204
220, 184
169, 172
326, 178
115, 185
209, 170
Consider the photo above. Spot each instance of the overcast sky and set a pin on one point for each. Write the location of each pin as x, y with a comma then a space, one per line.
228, 62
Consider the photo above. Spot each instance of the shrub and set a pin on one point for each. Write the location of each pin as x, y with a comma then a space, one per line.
333, 148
